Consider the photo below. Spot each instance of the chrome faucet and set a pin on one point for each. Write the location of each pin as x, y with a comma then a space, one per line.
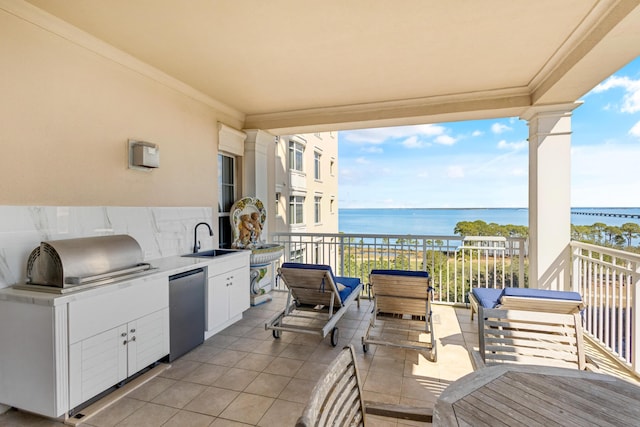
196, 242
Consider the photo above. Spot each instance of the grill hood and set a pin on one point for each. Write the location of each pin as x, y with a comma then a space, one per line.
83, 261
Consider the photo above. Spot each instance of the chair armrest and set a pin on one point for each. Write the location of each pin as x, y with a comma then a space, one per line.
476, 360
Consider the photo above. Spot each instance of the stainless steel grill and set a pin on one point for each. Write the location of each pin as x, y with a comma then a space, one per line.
67, 265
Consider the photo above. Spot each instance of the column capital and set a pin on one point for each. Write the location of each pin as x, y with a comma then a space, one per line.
550, 110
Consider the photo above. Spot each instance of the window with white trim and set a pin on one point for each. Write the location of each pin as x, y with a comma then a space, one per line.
317, 202
226, 197
296, 154
296, 211
316, 165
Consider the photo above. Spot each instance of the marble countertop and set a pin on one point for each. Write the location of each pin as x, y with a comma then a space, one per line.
162, 267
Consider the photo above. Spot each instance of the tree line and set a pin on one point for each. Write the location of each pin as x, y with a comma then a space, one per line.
599, 233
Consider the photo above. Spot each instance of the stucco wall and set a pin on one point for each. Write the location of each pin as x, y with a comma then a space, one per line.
66, 113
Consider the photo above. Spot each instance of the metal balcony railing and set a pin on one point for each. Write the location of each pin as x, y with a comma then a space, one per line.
454, 263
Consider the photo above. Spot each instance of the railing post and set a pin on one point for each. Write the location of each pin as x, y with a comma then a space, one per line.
575, 270
635, 354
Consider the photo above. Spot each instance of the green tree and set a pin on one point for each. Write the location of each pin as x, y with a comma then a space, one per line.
629, 231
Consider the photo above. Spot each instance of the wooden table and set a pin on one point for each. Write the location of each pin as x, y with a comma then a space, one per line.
526, 395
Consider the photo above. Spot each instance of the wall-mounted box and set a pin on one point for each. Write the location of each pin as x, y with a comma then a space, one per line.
143, 155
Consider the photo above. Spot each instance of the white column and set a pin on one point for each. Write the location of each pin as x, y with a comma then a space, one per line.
258, 180
550, 196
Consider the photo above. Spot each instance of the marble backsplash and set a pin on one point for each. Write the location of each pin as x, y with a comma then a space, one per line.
161, 231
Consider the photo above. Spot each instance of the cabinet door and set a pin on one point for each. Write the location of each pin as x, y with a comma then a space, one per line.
217, 300
239, 292
148, 340
97, 363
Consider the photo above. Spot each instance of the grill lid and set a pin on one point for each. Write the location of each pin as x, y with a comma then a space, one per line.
84, 260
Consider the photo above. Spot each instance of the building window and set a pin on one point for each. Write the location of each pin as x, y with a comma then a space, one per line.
296, 255
277, 210
296, 204
331, 166
317, 201
226, 197
331, 207
316, 165
296, 153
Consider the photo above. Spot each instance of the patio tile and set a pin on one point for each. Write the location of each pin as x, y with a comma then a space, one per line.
236, 379
151, 389
297, 390
206, 374
228, 358
149, 415
179, 394
191, 419
115, 413
281, 413
212, 401
247, 408
269, 385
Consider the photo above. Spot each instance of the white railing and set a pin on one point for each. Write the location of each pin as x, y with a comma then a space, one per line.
454, 263
608, 281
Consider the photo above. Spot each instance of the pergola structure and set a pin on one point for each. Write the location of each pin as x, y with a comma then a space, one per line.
283, 67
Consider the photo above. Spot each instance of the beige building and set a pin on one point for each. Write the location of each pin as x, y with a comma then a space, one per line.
306, 190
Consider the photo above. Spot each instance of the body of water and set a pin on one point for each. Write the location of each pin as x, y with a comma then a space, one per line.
442, 221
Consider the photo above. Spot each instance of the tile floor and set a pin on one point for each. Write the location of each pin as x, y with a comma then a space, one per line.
244, 377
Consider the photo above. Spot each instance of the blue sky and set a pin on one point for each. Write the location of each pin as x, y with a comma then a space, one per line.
484, 163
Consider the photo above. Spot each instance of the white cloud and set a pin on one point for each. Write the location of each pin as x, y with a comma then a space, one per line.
499, 128
412, 142
513, 146
455, 172
362, 161
477, 133
635, 130
631, 97
445, 140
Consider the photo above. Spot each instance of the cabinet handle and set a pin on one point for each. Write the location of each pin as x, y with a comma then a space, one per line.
133, 338
124, 342
124, 334
132, 330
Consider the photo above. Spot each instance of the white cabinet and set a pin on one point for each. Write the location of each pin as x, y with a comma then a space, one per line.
109, 343
227, 293
57, 355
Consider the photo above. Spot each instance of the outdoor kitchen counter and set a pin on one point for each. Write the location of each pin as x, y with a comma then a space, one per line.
161, 267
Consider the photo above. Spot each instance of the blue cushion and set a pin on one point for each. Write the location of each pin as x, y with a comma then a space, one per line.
487, 297
541, 293
401, 273
350, 283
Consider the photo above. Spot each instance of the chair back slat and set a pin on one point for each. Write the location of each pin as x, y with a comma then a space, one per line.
538, 338
336, 399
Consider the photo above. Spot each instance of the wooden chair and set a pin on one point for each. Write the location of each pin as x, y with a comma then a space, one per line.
529, 337
405, 295
336, 400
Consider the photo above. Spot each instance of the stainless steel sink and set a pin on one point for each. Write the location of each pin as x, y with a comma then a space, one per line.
211, 253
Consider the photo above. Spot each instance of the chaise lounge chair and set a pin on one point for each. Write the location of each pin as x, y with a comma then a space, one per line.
525, 299
404, 295
530, 337
317, 300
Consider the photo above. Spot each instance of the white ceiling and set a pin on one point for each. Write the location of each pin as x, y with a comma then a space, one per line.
296, 65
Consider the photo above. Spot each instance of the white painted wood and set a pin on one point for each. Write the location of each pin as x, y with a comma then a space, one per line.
151, 340
103, 360
31, 360
90, 316
228, 294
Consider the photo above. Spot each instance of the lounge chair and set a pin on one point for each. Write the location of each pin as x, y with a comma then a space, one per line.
403, 295
525, 299
317, 300
529, 337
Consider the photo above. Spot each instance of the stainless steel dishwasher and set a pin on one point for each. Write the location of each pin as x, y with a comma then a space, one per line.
186, 311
